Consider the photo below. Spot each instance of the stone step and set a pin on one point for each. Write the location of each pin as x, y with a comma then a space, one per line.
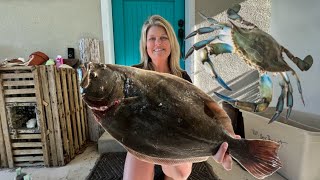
106, 143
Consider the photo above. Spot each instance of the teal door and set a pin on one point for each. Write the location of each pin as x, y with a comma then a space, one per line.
128, 18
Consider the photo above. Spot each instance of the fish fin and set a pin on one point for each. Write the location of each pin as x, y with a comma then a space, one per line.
259, 157
213, 110
165, 161
208, 111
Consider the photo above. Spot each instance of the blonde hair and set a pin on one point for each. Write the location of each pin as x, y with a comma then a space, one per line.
174, 56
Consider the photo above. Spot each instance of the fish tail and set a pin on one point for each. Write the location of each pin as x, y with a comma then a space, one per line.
258, 157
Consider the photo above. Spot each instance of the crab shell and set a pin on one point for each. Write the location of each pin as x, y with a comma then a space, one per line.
259, 49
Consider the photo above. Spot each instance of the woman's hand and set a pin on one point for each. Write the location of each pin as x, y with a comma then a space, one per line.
222, 157
222, 118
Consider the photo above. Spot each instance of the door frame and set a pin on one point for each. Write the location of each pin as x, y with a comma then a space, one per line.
107, 28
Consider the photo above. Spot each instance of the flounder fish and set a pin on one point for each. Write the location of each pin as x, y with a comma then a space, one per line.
164, 119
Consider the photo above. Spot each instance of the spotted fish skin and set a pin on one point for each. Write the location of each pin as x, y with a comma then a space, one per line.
164, 119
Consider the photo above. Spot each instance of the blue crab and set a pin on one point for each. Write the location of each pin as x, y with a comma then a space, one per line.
259, 50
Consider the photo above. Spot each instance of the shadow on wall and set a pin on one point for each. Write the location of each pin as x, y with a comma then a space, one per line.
9, 50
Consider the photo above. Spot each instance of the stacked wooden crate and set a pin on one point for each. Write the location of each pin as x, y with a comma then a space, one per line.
62, 124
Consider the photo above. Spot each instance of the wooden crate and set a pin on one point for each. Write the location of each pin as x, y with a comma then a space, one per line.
61, 132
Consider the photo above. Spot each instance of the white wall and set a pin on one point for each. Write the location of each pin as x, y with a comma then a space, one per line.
295, 25
50, 26
212, 8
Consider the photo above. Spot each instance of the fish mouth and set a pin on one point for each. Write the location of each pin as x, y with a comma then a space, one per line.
95, 103
98, 104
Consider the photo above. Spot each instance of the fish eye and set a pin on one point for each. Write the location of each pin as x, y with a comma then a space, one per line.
93, 75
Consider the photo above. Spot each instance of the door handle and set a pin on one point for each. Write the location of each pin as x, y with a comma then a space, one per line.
181, 36
181, 30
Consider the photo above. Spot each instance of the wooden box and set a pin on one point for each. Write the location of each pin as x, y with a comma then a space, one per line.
53, 96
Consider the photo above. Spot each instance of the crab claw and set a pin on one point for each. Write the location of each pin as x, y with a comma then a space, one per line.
233, 12
203, 30
209, 19
306, 63
203, 43
236, 8
198, 46
190, 51
261, 104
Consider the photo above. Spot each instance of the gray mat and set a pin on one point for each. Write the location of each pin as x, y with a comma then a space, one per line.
110, 167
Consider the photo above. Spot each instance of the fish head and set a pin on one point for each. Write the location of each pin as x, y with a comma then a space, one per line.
97, 83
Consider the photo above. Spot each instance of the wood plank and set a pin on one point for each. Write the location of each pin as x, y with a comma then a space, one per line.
18, 83
21, 104
19, 91
16, 75
27, 164
26, 136
28, 158
16, 68
67, 110
26, 144
72, 110
3, 155
5, 130
83, 122
62, 116
55, 114
85, 111
28, 130
20, 99
77, 108
41, 116
46, 98
27, 151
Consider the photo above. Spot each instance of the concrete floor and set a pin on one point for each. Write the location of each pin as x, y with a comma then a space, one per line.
79, 168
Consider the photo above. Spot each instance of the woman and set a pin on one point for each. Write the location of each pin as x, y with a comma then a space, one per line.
160, 51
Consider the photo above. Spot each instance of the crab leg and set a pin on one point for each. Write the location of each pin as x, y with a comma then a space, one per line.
203, 30
261, 104
289, 93
215, 48
299, 85
215, 25
209, 19
210, 68
198, 46
280, 103
285, 88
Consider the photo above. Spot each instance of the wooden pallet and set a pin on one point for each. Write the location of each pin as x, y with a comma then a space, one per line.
62, 130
